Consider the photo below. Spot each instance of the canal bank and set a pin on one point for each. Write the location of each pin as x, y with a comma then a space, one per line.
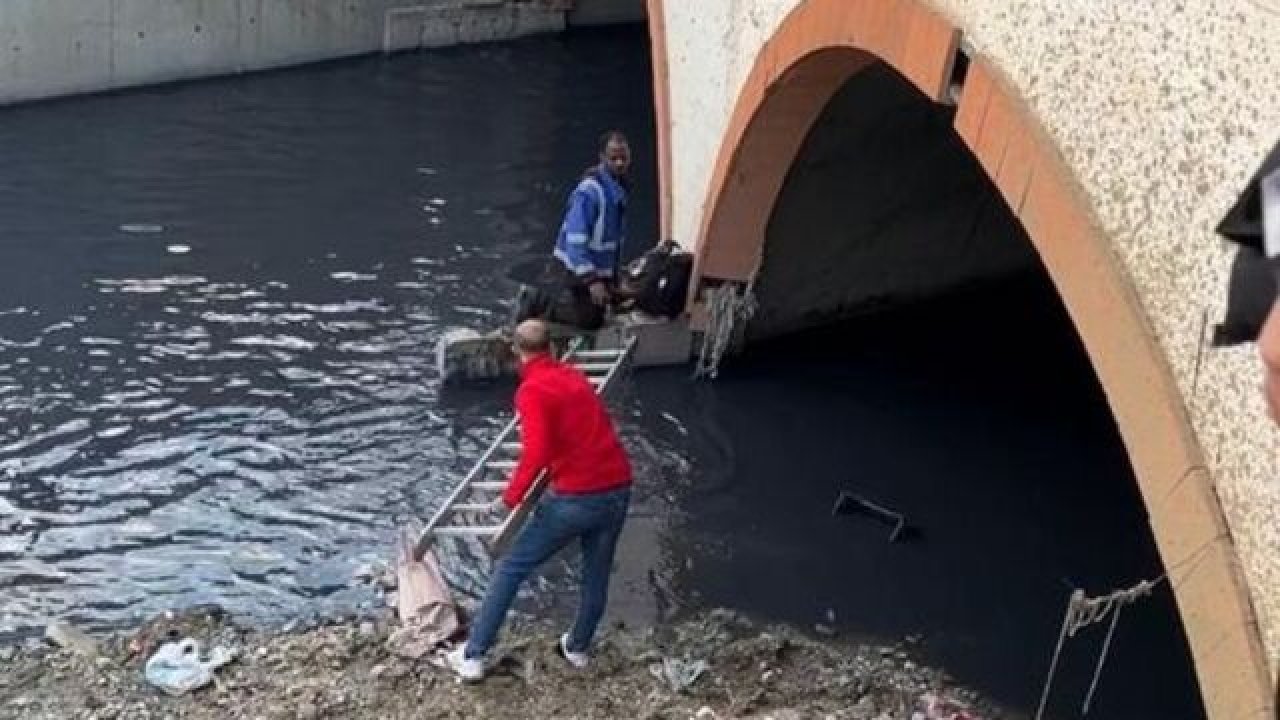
52, 48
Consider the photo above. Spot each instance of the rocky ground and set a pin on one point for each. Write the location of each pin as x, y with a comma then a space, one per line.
344, 670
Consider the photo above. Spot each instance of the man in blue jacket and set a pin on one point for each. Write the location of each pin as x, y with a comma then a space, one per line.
589, 245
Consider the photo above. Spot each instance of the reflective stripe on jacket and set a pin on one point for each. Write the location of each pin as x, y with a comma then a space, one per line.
594, 227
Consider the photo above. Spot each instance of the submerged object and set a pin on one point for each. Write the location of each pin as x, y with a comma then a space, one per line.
847, 502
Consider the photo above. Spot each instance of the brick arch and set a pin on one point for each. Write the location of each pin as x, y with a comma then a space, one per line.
818, 46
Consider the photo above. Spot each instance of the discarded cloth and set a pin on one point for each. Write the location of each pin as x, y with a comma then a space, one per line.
176, 667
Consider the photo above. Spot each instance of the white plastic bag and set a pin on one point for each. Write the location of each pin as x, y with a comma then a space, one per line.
176, 668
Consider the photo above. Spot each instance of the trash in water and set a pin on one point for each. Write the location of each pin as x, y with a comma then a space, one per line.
142, 228
176, 668
678, 674
847, 502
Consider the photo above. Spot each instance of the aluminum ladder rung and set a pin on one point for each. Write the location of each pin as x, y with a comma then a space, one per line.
501, 464
595, 355
510, 447
467, 530
471, 507
499, 486
594, 368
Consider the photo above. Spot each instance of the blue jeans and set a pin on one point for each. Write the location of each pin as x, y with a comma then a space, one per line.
595, 521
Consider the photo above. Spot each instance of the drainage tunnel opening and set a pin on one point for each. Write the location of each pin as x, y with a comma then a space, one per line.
910, 347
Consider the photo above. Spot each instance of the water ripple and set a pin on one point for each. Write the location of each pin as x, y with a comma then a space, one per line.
216, 369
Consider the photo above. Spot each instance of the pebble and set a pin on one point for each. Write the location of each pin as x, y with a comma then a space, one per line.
368, 629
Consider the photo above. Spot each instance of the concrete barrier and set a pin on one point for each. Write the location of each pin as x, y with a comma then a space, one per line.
50, 48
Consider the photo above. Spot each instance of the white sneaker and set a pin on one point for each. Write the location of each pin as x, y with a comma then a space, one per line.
577, 659
469, 670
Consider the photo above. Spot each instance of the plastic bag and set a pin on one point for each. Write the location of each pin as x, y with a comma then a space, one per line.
176, 668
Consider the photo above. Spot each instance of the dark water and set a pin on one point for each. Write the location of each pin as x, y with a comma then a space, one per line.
978, 418
218, 303
241, 407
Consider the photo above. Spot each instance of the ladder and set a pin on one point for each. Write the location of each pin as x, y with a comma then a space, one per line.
469, 511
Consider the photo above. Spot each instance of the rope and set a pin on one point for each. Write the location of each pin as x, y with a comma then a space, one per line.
1076, 597
1083, 612
1102, 660
727, 310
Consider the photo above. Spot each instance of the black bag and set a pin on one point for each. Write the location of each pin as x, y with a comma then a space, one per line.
659, 280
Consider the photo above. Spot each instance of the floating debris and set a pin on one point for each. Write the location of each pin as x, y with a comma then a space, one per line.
347, 276
142, 228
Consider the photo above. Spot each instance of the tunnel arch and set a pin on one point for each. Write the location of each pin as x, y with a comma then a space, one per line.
822, 43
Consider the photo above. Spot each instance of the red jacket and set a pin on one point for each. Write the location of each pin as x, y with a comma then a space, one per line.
565, 428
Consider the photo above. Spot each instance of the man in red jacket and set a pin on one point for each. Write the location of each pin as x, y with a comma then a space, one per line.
566, 430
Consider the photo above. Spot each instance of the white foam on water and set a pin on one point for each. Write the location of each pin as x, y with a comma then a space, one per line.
142, 228
348, 276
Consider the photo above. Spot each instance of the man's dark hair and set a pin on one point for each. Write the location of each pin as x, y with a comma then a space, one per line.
613, 136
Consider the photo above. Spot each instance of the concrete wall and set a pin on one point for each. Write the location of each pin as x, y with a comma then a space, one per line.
1146, 120
50, 48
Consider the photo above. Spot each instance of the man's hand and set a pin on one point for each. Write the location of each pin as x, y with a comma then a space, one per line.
599, 293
